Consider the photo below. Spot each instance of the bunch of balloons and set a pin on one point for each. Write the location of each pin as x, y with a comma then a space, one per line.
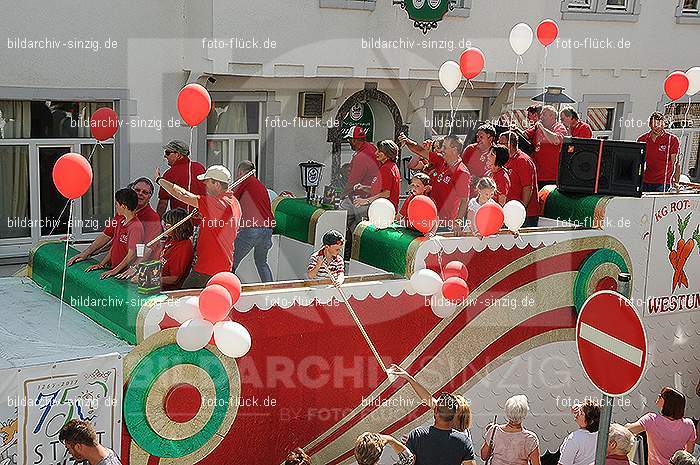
679, 83
490, 217
445, 292
471, 63
208, 315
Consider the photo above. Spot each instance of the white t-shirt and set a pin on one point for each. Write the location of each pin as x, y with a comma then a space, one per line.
474, 203
578, 448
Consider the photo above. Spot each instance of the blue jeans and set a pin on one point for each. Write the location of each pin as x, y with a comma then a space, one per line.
259, 240
649, 187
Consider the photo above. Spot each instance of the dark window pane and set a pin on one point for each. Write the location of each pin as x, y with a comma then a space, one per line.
46, 119
14, 189
98, 201
54, 213
234, 118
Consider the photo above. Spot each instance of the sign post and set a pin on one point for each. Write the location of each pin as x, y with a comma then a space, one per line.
612, 346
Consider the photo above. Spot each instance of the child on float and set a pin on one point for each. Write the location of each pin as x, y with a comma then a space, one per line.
329, 259
420, 185
486, 189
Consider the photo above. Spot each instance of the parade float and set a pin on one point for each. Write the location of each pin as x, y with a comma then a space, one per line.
311, 380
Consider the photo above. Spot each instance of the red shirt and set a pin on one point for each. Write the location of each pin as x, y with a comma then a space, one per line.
221, 215
581, 130
151, 226
176, 260
659, 168
404, 208
449, 185
523, 174
124, 237
471, 157
363, 168
183, 173
502, 182
255, 204
546, 154
388, 178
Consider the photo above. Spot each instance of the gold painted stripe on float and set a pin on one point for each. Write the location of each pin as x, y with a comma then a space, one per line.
275, 202
564, 247
137, 456
357, 239
313, 221
411, 254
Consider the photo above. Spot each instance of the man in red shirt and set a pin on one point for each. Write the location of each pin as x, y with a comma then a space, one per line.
364, 166
662, 156
257, 221
574, 126
474, 156
182, 172
547, 135
221, 214
126, 233
449, 180
523, 178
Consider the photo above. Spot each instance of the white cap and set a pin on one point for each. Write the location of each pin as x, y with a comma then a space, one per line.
217, 173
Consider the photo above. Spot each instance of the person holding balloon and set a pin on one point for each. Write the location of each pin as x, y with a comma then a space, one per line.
183, 172
523, 178
547, 136
486, 189
662, 156
420, 185
496, 161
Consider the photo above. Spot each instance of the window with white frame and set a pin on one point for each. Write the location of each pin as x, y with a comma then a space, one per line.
233, 133
463, 123
601, 10
688, 11
602, 121
460, 8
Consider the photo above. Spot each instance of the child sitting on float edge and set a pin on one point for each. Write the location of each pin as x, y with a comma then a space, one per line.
329, 259
420, 185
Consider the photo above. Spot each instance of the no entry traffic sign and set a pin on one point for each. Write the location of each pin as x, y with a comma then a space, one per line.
611, 342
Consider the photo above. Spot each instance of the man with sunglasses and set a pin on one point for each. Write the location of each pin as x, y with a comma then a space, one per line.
183, 172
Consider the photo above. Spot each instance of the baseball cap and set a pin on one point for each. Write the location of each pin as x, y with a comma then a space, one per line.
177, 146
332, 237
217, 173
355, 132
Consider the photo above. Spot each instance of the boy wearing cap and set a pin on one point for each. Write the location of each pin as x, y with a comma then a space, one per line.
330, 256
182, 172
221, 214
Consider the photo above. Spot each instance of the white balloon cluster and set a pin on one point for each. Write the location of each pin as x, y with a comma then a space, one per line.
194, 333
429, 284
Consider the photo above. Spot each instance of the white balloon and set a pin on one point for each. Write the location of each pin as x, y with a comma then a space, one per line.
194, 334
514, 215
382, 213
694, 78
450, 76
183, 309
684, 178
520, 38
426, 282
442, 307
232, 338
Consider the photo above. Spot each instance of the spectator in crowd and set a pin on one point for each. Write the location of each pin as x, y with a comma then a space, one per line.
183, 172
463, 417
364, 166
512, 444
449, 184
496, 161
420, 185
534, 112
578, 447
547, 135
297, 457
221, 214
144, 213
257, 221
178, 251
486, 189
474, 155
385, 185
683, 457
662, 164
620, 444
440, 443
369, 447
126, 231
523, 178
328, 259
80, 438
669, 431
574, 126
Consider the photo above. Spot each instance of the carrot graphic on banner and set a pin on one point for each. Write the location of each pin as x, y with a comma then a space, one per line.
679, 256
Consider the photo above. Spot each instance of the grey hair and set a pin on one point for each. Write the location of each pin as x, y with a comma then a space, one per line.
683, 457
623, 438
517, 409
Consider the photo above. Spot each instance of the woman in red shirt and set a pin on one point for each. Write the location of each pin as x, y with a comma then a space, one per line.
178, 252
495, 162
387, 182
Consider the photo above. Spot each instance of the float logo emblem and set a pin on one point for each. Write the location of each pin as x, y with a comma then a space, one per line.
680, 250
356, 111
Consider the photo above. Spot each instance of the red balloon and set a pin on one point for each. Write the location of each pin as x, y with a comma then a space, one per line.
72, 175
547, 32
471, 62
455, 289
230, 281
104, 123
422, 213
455, 269
194, 104
214, 303
676, 85
489, 218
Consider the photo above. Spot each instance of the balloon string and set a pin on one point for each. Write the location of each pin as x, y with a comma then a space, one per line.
515, 89
686, 140
459, 103
189, 166
65, 264
668, 154
452, 111
544, 77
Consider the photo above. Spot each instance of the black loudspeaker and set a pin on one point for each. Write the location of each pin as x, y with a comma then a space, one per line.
597, 166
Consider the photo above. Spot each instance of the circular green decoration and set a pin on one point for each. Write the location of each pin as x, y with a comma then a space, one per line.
146, 373
588, 267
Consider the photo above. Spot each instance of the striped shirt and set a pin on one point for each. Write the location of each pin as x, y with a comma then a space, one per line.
336, 266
